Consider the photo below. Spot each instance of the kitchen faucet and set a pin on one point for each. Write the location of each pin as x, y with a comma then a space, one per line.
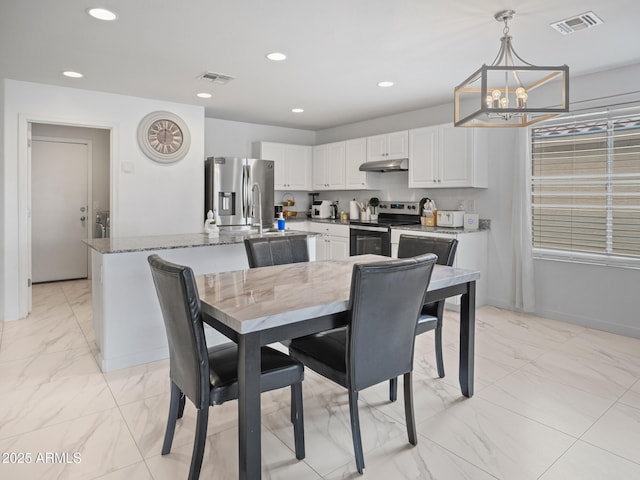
259, 207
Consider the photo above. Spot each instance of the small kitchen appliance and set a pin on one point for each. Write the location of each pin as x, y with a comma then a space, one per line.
471, 221
321, 209
450, 218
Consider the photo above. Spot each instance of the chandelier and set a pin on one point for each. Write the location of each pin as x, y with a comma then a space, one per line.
506, 94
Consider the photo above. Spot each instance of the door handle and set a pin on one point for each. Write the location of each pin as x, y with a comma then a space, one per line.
83, 218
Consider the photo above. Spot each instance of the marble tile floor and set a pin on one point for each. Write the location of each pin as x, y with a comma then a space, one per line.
553, 401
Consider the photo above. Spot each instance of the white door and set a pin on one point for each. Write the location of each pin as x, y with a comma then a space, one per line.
59, 217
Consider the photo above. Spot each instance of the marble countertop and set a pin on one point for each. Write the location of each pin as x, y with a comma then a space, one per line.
188, 240
263, 298
483, 224
450, 230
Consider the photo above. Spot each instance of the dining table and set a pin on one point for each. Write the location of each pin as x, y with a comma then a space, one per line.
260, 306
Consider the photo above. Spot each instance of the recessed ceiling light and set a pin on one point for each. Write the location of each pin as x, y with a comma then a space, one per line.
204, 95
385, 84
276, 56
297, 110
72, 74
102, 14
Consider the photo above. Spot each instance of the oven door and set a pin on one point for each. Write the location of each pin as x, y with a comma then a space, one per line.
364, 240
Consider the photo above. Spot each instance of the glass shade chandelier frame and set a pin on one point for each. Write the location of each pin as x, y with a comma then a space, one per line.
504, 94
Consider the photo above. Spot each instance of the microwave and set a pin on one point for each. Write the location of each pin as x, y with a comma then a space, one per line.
450, 218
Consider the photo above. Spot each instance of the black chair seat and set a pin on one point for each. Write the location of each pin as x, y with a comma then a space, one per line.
278, 371
426, 323
324, 353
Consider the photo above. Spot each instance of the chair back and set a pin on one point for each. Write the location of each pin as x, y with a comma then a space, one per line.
268, 251
180, 306
385, 301
444, 248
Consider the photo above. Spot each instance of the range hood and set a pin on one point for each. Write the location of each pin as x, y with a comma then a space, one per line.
399, 165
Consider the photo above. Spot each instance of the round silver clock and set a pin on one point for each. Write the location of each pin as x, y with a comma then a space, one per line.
164, 137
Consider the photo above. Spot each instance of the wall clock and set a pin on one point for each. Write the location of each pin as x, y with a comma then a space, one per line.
164, 137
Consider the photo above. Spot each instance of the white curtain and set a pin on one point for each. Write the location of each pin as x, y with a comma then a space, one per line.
524, 290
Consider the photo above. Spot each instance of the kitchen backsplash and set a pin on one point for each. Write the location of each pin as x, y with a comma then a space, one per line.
468, 199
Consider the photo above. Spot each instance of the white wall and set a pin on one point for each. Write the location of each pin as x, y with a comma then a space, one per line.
3, 204
225, 138
153, 199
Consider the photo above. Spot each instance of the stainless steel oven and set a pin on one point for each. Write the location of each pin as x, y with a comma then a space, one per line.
375, 236
364, 239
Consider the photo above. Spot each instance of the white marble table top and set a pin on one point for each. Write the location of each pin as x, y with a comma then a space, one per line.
263, 298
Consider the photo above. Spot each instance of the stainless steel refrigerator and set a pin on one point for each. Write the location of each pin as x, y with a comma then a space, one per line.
230, 186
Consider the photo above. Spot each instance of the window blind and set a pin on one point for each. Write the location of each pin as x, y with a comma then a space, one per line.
585, 191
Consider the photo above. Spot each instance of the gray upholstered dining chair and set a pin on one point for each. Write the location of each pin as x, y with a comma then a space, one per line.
276, 250
432, 313
209, 376
378, 342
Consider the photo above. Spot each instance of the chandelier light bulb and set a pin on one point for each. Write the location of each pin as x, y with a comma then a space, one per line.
520, 91
521, 99
504, 102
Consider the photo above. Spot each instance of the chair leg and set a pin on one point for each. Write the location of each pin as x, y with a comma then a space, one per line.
174, 407
297, 414
198, 444
355, 430
439, 360
181, 405
408, 408
393, 389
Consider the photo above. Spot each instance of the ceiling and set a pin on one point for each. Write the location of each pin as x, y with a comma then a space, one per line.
338, 50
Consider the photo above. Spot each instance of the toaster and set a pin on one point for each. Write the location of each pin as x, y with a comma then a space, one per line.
450, 218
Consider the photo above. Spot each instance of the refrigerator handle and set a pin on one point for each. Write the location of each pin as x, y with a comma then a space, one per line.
246, 194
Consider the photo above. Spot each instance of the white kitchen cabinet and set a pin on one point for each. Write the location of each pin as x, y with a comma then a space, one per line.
472, 251
332, 248
329, 166
356, 155
389, 146
292, 164
334, 244
447, 157
336, 166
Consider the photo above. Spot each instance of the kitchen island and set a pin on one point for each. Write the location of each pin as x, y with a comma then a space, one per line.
126, 314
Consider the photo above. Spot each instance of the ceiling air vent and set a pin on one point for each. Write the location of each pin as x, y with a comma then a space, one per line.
218, 78
579, 22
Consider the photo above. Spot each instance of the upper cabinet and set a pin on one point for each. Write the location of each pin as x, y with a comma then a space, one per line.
328, 166
336, 165
389, 146
356, 155
447, 157
292, 164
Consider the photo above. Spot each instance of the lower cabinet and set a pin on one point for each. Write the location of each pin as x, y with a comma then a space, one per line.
332, 248
472, 251
333, 244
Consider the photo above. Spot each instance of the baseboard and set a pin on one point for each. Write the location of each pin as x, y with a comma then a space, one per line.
596, 324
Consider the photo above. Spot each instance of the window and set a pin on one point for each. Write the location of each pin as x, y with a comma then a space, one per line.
586, 190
